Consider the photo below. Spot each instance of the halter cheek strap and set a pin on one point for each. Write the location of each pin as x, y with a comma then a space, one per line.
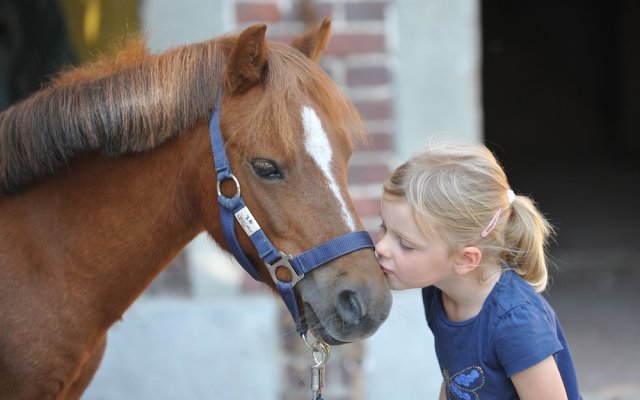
233, 209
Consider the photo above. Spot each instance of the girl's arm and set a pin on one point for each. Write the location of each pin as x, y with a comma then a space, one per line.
443, 392
542, 381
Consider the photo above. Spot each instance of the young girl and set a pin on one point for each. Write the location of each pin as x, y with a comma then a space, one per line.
452, 226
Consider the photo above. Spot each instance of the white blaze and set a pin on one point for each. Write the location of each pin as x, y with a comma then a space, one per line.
317, 145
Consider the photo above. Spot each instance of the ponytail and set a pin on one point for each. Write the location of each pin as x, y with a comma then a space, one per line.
526, 235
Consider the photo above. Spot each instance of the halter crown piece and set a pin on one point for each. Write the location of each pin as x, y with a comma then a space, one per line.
234, 208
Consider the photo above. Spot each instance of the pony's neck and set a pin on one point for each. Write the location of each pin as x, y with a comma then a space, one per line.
130, 216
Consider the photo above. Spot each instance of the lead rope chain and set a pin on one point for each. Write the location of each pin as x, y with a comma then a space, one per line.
320, 352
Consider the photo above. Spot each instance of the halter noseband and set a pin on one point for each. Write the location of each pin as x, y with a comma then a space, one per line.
234, 208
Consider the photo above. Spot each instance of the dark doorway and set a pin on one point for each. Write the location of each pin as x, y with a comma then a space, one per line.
561, 96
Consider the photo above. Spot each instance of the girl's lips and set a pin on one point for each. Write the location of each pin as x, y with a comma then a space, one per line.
385, 271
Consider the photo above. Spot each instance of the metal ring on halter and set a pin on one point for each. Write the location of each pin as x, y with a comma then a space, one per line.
231, 176
318, 347
326, 352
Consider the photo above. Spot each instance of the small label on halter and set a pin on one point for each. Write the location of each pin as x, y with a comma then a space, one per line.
247, 222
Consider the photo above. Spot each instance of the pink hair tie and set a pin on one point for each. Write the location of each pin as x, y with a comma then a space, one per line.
494, 221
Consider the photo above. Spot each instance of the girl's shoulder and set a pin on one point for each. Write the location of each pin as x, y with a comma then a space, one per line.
512, 294
523, 328
512, 304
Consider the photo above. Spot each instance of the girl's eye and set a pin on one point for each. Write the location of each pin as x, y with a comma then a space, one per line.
266, 169
404, 246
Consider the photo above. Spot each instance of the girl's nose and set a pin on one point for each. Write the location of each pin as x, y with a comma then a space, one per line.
381, 248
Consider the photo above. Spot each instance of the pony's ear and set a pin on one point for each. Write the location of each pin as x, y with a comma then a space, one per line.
315, 41
248, 59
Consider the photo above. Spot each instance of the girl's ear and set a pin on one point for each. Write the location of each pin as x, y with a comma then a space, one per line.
467, 260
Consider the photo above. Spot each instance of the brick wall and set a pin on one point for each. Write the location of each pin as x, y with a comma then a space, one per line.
358, 60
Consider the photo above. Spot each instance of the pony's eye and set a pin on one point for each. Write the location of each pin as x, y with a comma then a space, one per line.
266, 169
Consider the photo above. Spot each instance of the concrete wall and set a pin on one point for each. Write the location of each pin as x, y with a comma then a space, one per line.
169, 349
436, 53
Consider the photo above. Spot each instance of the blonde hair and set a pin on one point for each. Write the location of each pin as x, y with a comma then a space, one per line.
456, 189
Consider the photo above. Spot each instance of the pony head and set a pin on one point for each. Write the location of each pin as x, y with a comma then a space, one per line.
289, 133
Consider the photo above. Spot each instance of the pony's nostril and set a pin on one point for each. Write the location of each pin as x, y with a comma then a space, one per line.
350, 306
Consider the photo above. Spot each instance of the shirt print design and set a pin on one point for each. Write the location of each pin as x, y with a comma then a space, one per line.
464, 384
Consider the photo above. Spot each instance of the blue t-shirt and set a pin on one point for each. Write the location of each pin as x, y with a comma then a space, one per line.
516, 329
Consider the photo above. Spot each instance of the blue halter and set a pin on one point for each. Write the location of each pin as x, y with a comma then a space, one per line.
234, 208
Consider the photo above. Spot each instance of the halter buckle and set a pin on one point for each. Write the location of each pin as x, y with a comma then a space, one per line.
283, 271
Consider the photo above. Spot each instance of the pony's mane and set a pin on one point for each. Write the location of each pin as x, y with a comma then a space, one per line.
137, 101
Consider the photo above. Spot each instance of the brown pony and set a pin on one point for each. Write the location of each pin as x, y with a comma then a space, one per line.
107, 173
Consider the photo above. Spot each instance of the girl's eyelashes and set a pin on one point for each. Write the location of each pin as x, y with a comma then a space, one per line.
404, 246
